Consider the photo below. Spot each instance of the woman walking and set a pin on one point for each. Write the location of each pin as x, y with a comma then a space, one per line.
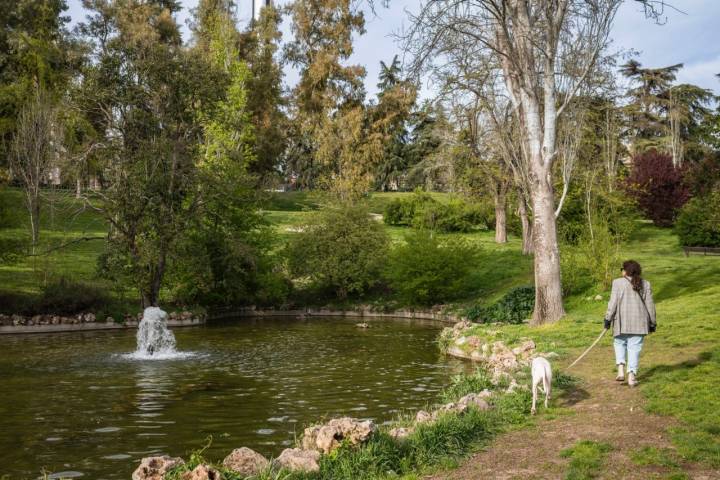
631, 312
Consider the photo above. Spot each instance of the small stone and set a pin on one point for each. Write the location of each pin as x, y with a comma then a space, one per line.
598, 297
155, 468
89, 317
475, 400
202, 472
328, 437
460, 341
296, 459
423, 417
109, 320
401, 433
246, 462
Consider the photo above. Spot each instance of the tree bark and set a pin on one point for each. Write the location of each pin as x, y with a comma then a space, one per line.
500, 218
548, 287
527, 237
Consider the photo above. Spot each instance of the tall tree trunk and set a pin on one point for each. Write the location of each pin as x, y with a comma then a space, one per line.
500, 217
548, 288
78, 187
527, 237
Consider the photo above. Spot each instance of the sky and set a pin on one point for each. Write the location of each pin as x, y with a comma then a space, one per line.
691, 37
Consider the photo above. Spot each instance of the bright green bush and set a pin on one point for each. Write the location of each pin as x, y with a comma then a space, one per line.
514, 307
698, 224
402, 211
425, 270
592, 262
342, 248
422, 211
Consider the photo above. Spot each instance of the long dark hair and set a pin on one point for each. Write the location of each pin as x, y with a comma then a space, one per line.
633, 270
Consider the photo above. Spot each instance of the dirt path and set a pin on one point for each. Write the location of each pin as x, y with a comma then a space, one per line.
598, 409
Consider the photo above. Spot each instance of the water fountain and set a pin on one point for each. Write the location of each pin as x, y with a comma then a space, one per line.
154, 339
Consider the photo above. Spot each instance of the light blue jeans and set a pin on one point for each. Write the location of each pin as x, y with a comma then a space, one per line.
630, 344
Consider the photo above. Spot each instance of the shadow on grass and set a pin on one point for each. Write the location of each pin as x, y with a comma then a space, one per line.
688, 279
572, 395
677, 367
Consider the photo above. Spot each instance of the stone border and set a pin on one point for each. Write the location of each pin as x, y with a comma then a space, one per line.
88, 327
244, 312
362, 313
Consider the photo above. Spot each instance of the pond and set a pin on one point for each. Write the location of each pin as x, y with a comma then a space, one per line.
75, 405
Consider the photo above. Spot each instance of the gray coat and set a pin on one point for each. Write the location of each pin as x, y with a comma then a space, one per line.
626, 308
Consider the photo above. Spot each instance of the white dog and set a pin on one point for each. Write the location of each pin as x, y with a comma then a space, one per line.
541, 372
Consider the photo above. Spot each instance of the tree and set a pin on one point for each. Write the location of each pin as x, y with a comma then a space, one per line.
323, 31
37, 53
143, 93
36, 144
658, 187
390, 116
544, 53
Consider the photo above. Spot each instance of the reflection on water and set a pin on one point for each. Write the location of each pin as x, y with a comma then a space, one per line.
77, 405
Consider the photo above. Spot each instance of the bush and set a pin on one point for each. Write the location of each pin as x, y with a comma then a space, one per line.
342, 248
402, 211
514, 307
657, 186
426, 271
698, 224
67, 297
422, 211
593, 262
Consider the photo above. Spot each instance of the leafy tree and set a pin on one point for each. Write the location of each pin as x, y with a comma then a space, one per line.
258, 47
342, 248
323, 31
698, 224
143, 92
657, 186
396, 99
425, 270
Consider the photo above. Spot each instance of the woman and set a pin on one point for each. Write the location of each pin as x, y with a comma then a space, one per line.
631, 310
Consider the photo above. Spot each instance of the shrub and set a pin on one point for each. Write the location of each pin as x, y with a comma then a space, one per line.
425, 270
657, 186
67, 297
593, 261
422, 211
514, 307
402, 211
698, 224
342, 248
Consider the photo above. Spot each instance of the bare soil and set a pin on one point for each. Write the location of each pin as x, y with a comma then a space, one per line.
598, 409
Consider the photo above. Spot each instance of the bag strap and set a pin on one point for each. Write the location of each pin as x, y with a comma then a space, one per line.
641, 299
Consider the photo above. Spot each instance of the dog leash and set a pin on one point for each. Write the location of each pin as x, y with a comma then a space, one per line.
602, 334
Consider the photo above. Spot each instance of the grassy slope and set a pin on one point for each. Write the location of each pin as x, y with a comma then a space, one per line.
683, 357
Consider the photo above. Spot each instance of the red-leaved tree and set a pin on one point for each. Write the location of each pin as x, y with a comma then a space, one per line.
657, 186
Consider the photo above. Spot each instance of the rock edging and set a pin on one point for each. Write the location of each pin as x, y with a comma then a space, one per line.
49, 323
364, 312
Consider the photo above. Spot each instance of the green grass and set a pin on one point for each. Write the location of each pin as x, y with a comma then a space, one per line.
586, 459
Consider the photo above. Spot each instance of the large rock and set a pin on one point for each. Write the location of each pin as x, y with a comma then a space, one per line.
245, 461
155, 468
296, 459
423, 417
328, 437
202, 472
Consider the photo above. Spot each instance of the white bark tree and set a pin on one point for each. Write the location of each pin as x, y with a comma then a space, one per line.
533, 43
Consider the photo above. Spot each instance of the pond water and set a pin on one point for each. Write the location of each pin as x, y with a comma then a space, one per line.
75, 405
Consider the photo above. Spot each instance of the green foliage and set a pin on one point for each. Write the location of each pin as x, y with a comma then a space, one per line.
425, 270
586, 459
464, 384
514, 307
422, 211
592, 262
67, 297
698, 224
342, 248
